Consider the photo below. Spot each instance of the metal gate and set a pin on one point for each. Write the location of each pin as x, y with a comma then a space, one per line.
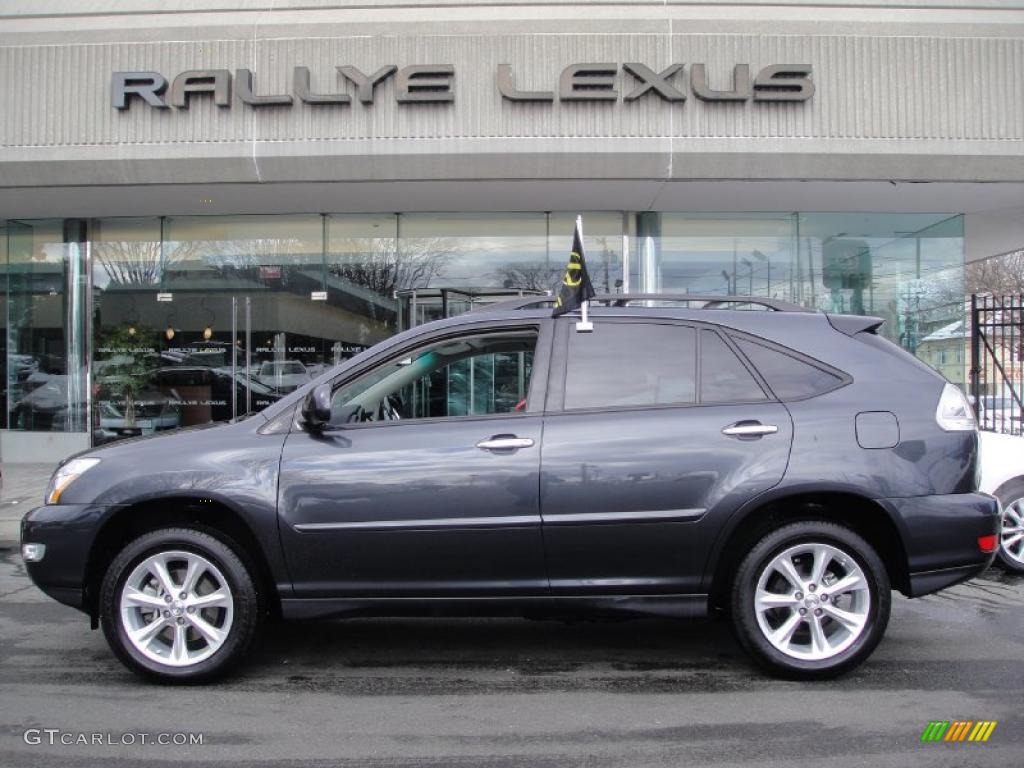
997, 362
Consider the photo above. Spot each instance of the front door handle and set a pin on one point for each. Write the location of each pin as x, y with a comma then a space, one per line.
749, 429
504, 443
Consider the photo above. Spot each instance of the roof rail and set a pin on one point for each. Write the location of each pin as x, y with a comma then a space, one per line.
518, 303
710, 301
623, 299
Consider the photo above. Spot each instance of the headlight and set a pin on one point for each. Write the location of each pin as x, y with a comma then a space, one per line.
954, 413
65, 476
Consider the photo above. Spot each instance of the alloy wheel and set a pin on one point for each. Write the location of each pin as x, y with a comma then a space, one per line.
176, 608
1012, 538
812, 601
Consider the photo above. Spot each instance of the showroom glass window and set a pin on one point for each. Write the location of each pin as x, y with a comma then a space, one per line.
468, 260
46, 381
321, 288
471, 259
132, 333
202, 318
904, 267
907, 268
363, 272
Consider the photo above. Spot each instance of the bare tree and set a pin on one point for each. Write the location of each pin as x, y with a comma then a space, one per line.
378, 265
998, 275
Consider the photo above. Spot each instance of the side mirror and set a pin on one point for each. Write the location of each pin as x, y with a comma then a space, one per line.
316, 408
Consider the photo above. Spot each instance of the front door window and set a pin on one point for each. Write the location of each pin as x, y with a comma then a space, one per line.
467, 376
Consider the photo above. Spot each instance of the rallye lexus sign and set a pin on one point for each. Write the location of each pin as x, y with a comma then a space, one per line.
434, 83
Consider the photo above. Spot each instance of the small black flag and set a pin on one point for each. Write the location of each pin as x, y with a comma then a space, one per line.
576, 287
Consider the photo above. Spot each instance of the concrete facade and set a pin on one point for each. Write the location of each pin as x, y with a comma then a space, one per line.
903, 93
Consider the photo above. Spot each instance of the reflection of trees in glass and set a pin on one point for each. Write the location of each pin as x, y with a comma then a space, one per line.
547, 275
376, 264
140, 262
601, 269
144, 263
256, 252
530, 276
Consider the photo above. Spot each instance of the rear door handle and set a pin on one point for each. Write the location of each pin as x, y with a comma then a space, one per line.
504, 443
749, 429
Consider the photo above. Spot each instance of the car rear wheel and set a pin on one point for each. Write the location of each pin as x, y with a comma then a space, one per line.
179, 605
1011, 540
811, 600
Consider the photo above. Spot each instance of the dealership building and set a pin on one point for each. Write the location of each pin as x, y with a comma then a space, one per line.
204, 204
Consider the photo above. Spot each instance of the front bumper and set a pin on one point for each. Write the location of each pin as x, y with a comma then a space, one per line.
940, 535
68, 531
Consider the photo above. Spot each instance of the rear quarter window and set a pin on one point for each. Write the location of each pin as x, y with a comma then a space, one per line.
789, 376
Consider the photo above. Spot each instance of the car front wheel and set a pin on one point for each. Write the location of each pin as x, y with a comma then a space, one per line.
811, 600
178, 605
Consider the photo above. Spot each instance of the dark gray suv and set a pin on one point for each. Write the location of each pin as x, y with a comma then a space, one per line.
784, 467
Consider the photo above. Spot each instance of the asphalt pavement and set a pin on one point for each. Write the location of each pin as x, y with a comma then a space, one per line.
500, 693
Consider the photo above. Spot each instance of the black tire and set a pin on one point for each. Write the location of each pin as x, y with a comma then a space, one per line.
1008, 493
244, 600
744, 614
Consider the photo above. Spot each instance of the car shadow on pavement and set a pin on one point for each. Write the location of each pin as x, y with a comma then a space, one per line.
461, 655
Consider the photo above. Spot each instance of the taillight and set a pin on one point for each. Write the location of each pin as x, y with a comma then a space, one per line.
988, 544
954, 413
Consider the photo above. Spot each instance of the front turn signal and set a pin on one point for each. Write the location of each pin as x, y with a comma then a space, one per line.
65, 476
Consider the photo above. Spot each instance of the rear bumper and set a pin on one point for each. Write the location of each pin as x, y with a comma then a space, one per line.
940, 537
68, 531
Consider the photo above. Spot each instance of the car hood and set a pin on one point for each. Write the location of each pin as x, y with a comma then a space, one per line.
170, 439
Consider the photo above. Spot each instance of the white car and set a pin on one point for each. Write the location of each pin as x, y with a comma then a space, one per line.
1002, 475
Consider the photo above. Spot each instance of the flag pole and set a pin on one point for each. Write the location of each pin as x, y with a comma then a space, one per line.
583, 325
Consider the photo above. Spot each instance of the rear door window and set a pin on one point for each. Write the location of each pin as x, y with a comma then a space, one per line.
723, 376
631, 364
